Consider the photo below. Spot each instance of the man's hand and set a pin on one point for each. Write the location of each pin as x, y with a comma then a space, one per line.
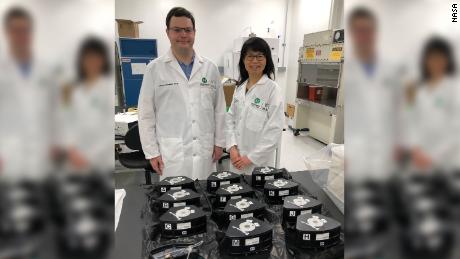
234, 155
217, 153
157, 164
242, 163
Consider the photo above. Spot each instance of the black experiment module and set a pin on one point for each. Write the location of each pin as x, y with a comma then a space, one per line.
262, 174
232, 191
175, 183
178, 198
183, 221
276, 190
217, 179
299, 205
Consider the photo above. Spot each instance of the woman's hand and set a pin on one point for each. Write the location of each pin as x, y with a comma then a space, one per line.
242, 163
77, 160
421, 159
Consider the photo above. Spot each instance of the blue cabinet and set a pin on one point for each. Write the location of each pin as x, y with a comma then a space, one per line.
135, 54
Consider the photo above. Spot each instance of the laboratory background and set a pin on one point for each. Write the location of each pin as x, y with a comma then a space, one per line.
220, 36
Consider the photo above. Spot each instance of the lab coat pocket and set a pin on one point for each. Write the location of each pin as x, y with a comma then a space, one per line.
255, 119
207, 145
207, 97
172, 150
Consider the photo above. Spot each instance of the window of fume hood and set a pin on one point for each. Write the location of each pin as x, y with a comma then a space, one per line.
326, 75
317, 94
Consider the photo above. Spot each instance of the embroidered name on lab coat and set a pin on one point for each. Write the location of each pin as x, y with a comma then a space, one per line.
168, 84
208, 83
260, 104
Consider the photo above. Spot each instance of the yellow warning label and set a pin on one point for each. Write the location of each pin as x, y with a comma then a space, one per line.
310, 53
335, 55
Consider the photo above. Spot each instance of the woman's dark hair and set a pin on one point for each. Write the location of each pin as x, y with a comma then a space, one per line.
441, 46
260, 45
179, 12
93, 45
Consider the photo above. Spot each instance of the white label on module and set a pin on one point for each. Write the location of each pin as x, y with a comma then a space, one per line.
306, 237
185, 225
305, 212
176, 187
269, 177
258, 178
283, 193
223, 199
178, 204
235, 197
224, 182
247, 215
213, 184
324, 236
251, 241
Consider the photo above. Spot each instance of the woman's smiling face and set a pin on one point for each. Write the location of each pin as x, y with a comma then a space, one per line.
255, 62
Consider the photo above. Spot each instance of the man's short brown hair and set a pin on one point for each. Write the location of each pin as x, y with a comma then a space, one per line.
16, 13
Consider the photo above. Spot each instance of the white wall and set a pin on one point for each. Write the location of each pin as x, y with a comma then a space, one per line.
305, 16
61, 25
219, 22
404, 27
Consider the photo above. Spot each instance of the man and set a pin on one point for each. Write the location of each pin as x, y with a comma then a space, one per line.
182, 106
371, 98
26, 102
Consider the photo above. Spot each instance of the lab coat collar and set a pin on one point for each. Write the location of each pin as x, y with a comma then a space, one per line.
262, 80
13, 63
169, 57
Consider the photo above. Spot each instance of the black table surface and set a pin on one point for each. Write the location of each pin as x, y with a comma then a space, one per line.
128, 236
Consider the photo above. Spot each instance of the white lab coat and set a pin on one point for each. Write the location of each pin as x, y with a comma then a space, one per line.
371, 112
435, 125
255, 122
27, 107
181, 119
88, 123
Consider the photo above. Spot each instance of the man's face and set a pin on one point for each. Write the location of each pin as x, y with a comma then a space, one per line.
19, 33
181, 33
363, 33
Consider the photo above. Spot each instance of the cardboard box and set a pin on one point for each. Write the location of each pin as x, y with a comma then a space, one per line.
229, 89
290, 110
128, 28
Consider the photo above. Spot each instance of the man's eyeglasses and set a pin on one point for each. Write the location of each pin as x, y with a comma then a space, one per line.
257, 57
179, 30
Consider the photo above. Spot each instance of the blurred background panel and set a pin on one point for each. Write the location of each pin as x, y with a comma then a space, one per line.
401, 123
56, 128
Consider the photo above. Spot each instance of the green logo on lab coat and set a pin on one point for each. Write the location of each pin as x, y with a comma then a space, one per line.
257, 101
204, 80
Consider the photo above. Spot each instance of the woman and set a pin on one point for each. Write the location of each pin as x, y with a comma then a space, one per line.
436, 109
256, 116
90, 113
